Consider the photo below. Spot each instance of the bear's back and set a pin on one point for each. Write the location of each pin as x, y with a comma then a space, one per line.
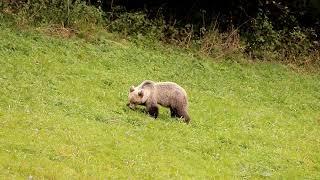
170, 86
170, 93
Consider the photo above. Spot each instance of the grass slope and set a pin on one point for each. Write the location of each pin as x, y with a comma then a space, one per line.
63, 114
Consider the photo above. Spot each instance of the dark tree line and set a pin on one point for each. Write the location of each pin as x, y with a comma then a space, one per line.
283, 13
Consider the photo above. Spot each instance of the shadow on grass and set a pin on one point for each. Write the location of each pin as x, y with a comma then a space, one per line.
161, 117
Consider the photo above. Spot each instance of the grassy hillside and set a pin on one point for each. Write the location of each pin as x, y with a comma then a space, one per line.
63, 114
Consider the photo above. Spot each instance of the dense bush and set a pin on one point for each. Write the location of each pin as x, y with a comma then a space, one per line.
134, 23
287, 44
76, 14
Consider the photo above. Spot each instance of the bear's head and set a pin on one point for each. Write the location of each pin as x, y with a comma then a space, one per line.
136, 97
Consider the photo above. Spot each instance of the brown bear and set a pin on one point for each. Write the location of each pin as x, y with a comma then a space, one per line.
167, 94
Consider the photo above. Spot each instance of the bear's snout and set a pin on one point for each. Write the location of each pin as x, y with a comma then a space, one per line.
131, 106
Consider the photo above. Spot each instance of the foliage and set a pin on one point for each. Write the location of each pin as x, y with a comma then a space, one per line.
216, 44
209, 42
273, 33
67, 13
281, 30
134, 23
263, 36
291, 45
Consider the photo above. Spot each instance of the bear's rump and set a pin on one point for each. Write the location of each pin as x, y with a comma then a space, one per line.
171, 98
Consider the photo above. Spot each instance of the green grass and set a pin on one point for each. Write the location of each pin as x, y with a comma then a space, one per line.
63, 114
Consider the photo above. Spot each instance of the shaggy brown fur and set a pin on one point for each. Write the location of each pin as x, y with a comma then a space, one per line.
167, 94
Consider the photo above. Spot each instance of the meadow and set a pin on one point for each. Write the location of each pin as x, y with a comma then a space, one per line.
63, 113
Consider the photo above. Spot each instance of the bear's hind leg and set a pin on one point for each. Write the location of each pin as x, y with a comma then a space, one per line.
184, 114
173, 112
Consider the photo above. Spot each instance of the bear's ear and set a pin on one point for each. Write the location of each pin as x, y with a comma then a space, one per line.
140, 93
131, 88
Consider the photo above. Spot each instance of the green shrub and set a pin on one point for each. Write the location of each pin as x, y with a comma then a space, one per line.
290, 45
83, 16
135, 24
262, 37
67, 13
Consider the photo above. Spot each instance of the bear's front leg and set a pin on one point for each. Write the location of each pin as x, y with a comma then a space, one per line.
153, 110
